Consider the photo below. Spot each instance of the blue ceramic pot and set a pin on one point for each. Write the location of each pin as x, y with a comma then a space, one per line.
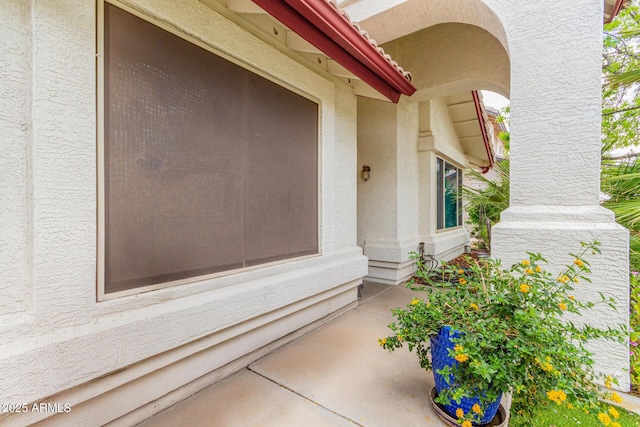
440, 345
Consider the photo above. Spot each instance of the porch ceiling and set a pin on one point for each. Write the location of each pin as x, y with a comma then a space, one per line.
611, 9
372, 75
464, 115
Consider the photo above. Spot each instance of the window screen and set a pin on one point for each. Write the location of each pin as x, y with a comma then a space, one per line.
208, 166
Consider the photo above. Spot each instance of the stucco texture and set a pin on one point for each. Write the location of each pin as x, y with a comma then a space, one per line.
55, 333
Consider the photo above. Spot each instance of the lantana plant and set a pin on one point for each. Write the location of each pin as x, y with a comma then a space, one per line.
514, 336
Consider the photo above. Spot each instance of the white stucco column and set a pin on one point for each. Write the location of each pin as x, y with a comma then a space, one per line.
388, 201
555, 52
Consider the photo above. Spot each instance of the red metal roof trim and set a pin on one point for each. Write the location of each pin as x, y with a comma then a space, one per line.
324, 25
483, 129
614, 12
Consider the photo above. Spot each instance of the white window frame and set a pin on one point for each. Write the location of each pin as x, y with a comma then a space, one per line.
441, 166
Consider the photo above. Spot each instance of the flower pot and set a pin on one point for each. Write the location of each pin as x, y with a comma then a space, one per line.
501, 419
440, 345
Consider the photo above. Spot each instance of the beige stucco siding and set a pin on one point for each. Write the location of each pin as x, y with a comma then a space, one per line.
118, 357
54, 333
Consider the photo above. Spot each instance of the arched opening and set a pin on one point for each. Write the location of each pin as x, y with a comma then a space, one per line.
386, 22
449, 58
418, 150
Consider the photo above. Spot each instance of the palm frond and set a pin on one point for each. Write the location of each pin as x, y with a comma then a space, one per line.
622, 177
626, 78
634, 242
627, 212
635, 32
487, 203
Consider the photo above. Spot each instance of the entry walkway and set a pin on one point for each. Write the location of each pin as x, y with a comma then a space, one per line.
337, 375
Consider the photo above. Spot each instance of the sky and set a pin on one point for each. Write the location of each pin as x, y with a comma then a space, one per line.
494, 100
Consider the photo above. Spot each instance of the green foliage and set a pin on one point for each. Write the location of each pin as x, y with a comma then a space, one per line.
621, 71
621, 122
620, 126
621, 183
634, 323
513, 333
487, 204
560, 416
505, 137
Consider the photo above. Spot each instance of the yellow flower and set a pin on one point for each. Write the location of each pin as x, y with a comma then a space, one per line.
382, 341
604, 419
572, 298
557, 396
579, 263
563, 279
478, 410
529, 270
459, 413
615, 414
569, 405
615, 424
525, 262
462, 358
474, 306
460, 271
562, 306
457, 348
547, 367
415, 301
616, 397
538, 268
607, 381
576, 280
524, 288
400, 337
562, 396
467, 423
462, 281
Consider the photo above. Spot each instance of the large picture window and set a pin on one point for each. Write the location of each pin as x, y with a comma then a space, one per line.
449, 204
207, 167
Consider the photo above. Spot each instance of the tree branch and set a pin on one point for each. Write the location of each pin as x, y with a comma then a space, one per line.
608, 113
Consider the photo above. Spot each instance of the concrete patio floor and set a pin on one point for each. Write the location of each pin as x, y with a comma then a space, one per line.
336, 375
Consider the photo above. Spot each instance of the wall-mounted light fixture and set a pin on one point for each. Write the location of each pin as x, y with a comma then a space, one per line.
366, 173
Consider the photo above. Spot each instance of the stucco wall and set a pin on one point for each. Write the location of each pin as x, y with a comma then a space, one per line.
55, 336
377, 148
443, 143
15, 132
385, 134
446, 141
55, 333
397, 210
408, 175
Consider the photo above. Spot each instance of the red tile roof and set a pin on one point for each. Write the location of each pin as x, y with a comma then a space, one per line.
323, 24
